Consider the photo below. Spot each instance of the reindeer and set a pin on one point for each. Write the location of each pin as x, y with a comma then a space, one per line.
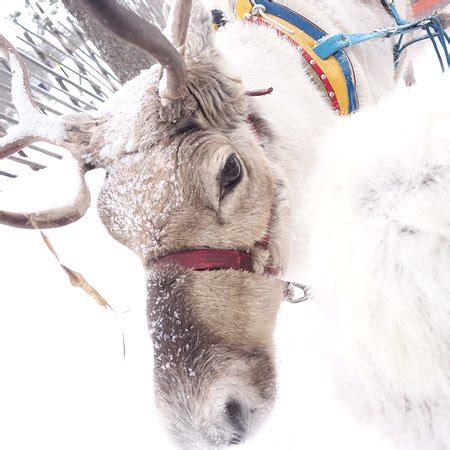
195, 166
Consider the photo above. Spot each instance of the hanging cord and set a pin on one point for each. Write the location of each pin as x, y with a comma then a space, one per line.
432, 26
436, 34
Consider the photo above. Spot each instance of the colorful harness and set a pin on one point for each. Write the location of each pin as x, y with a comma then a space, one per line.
335, 73
325, 53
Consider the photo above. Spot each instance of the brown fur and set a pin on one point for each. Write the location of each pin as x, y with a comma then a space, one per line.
208, 331
212, 331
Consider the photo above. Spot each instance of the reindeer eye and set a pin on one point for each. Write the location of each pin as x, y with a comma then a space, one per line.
231, 175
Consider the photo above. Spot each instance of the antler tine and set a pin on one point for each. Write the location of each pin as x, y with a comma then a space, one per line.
21, 95
33, 126
52, 218
128, 26
178, 22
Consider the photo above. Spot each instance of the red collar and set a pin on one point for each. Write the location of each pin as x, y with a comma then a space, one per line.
213, 258
209, 259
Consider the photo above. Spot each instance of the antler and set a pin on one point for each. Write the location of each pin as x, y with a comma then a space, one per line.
52, 218
178, 22
66, 131
128, 26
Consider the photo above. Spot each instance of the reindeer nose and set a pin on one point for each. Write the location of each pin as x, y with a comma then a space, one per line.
237, 416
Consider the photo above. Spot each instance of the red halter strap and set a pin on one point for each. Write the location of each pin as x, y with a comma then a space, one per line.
209, 259
212, 258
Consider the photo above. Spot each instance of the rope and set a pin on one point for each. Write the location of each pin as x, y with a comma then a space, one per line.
431, 25
434, 30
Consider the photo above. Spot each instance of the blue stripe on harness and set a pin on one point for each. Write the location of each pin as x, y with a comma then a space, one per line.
317, 34
330, 45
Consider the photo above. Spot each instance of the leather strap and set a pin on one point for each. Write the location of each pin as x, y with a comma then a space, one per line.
208, 259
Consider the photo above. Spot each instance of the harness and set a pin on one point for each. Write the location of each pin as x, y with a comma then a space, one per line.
335, 74
432, 26
326, 56
325, 53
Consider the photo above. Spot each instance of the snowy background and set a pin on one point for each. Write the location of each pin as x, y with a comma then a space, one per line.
76, 376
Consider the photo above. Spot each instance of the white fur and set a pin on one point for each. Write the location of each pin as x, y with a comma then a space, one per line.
380, 251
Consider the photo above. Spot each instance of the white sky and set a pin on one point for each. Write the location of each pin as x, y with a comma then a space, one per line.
9, 6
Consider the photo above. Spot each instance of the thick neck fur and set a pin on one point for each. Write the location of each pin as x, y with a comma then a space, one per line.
298, 112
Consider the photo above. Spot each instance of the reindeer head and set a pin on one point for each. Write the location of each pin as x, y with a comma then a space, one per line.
184, 172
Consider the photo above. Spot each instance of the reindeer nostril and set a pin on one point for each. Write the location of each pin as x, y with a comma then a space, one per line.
237, 418
233, 410
236, 439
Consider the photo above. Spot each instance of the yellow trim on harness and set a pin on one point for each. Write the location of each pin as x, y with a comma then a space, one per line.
330, 66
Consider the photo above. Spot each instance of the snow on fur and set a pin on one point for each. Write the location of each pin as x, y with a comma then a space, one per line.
121, 112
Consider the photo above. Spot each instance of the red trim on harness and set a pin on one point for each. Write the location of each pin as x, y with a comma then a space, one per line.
322, 77
209, 259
